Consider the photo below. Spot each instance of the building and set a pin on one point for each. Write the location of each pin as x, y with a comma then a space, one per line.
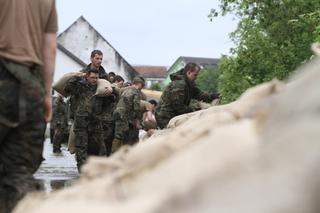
74, 48
182, 61
152, 74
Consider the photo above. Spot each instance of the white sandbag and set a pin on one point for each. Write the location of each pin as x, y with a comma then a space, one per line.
72, 140
104, 88
61, 83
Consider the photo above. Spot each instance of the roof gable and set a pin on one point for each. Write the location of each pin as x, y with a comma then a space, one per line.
80, 38
151, 71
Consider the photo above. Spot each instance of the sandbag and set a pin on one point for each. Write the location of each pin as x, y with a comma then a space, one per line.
103, 87
61, 83
72, 140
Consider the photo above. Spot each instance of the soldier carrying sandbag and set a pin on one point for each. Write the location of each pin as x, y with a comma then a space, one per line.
88, 128
175, 99
126, 115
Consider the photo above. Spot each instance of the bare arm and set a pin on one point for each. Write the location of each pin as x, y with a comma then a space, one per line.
49, 56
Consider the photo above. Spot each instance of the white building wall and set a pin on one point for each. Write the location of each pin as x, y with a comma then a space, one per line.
81, 39
64, 64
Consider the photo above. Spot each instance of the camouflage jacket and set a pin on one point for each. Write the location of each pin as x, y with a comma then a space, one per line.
109, 105
86, 103
128, 107
176, 97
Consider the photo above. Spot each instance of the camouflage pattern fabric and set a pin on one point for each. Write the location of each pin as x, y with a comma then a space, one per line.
61, 123
125, 115
22, 129
88, 127
175, 99
106, 117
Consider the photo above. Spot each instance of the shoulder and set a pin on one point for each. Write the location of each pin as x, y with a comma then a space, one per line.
178, 85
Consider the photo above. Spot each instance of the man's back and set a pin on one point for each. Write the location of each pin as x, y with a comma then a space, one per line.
23, 24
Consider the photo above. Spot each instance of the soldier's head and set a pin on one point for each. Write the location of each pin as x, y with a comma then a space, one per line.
138, 82
96, 58
118, 80
92, 76
111, 76
191, 70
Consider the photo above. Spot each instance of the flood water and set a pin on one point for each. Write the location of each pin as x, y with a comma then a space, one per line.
58, 171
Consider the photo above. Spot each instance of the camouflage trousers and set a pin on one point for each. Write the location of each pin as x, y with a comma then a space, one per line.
89, 139
108, 131
126, 132
22, 130
59, 137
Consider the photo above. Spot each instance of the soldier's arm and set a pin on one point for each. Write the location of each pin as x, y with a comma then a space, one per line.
202, 96
136, 105
72, 86
177, 96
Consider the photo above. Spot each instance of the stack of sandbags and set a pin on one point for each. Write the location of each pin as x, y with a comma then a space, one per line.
220, 162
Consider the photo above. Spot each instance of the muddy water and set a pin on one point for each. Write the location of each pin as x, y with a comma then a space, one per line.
58, 171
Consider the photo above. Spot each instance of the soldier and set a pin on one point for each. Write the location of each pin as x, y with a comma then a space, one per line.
61, 123
176, 97
87, 125
127, 116
118, 81
111, 76
52, 123
27, 58
96, 61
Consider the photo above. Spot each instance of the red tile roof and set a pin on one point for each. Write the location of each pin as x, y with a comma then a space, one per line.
151, 71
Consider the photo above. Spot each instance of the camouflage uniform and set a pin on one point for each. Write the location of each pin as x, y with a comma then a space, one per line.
22, 129
106, 117
125, 116
176, 97
52, 123
61, 123
87, 125
73, 100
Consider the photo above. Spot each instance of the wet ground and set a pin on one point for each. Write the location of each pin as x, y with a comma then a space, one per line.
58, 170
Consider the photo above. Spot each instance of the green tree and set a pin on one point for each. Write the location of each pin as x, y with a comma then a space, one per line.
273, 38
208, 79
156, 87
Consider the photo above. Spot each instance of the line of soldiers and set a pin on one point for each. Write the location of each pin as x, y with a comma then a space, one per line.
103, 124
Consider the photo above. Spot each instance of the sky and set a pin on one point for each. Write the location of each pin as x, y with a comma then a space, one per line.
149, 32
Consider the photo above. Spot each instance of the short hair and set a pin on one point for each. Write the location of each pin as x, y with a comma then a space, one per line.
118, 78
138, 80
112, 73
191, 67
92, 70
96, 52
154, 102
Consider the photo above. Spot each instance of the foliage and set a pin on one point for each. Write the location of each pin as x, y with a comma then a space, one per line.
273, 38
207, 79
156, 87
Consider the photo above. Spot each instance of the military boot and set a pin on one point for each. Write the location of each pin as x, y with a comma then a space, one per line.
116, 144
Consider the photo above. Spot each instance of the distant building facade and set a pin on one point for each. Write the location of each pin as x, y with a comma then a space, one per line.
152, 74
74, 48
182, 61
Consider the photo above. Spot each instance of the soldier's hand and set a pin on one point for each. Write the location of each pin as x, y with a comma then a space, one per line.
108, 91
47, 108
215, 96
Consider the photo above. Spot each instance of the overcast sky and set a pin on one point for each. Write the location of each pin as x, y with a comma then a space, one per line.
153, 32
